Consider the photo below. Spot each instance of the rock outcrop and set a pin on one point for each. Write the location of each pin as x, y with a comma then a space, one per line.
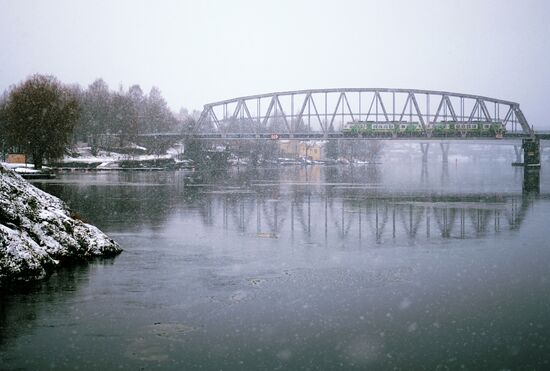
38, 233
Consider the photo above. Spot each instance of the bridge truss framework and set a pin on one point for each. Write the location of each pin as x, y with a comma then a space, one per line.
322, 112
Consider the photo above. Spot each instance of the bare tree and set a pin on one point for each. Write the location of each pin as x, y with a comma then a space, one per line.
40, 118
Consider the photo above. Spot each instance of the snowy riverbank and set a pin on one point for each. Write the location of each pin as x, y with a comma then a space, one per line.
38, 232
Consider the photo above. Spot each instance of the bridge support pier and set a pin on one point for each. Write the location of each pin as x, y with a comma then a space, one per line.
445, 173
424, 175
445, 152
531, 180
531, 152
424, 147
531, 163
519, 158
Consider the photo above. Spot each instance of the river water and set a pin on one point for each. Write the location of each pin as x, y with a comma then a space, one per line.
351, 267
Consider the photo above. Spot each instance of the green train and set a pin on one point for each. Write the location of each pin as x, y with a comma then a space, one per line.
438, 129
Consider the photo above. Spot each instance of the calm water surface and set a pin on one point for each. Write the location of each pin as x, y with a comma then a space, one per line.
297, 268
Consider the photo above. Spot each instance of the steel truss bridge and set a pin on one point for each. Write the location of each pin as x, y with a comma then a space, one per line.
321, 113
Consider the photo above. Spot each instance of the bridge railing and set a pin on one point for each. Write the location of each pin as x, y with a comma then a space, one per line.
328, 110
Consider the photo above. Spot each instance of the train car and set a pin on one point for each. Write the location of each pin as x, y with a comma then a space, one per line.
468, 128
369, 129
437, 129
409, 129
382, 129
441, 129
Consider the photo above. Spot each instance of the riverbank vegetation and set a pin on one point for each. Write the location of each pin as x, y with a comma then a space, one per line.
34, 114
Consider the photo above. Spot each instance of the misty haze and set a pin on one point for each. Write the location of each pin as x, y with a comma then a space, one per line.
250, 185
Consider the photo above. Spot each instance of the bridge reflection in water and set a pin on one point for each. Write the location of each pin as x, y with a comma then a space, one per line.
355, 205
340, 213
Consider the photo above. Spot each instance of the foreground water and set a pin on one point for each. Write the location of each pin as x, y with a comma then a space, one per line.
297, 268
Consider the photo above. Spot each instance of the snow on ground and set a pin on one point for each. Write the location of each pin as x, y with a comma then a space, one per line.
104, 157
24, 168
37, 232
85, 156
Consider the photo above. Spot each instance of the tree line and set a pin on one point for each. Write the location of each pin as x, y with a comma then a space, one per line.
125, 113
42, 116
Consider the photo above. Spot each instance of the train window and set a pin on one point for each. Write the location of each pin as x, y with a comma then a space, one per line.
486, 126
403, 126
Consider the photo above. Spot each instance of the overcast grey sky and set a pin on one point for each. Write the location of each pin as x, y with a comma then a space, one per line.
202, 51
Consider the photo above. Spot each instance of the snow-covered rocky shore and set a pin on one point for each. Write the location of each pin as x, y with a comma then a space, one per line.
37, 232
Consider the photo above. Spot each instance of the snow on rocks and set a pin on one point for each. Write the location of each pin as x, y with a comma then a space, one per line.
37, 232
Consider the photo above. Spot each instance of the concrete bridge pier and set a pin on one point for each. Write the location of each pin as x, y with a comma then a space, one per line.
445, 152
424, 147
445, 173
531, 165
531, 180
424, 175
519, 153
444, 162
531, 152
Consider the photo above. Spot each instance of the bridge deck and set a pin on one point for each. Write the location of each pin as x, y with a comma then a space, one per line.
336, 135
